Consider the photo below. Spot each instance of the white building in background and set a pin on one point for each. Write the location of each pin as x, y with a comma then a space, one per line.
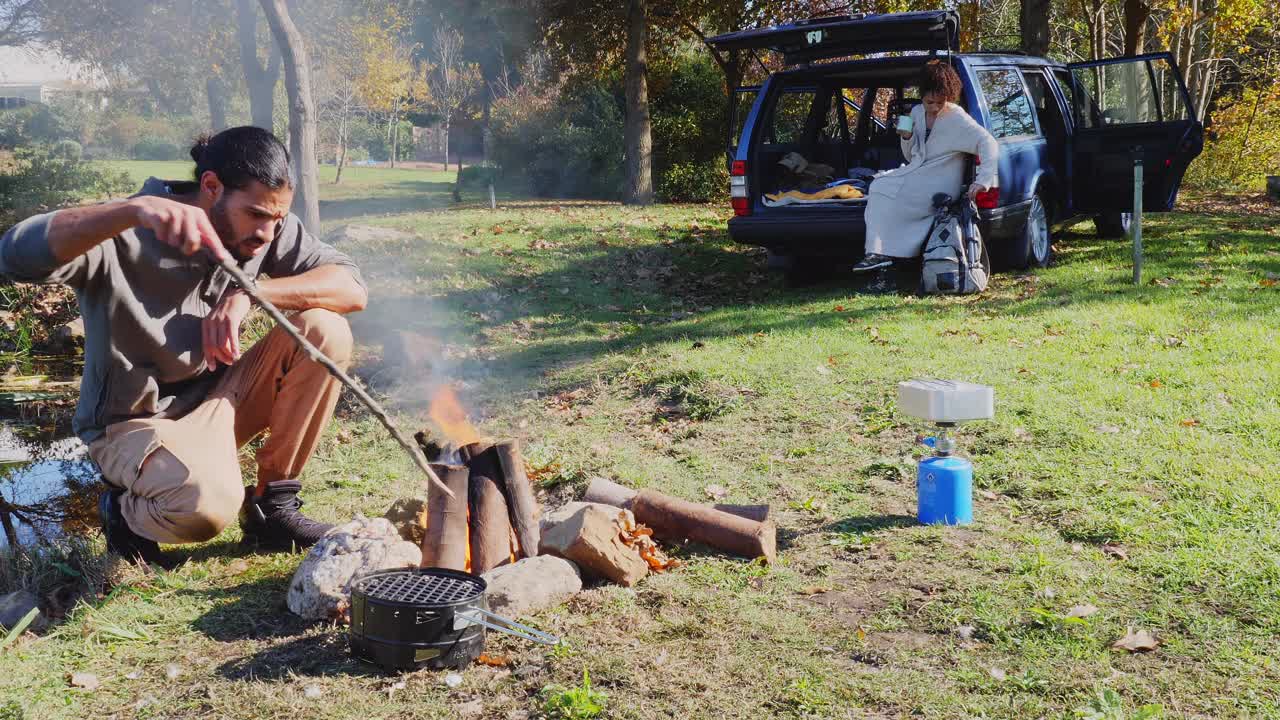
33, 75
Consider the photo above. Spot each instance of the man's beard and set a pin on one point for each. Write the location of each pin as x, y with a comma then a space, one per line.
221, 221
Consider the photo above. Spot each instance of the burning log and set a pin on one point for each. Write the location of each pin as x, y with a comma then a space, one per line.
490, 527
611, 493
521, 504
445, 542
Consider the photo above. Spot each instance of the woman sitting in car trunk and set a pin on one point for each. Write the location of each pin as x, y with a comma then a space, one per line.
900, 201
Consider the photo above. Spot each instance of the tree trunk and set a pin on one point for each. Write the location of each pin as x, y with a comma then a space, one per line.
1136, 13
446, 142
342, 148
302, 112
261, 81
638, 135
1034, 23
216, 90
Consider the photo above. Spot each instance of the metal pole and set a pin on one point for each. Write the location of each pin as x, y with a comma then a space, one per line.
1135, 223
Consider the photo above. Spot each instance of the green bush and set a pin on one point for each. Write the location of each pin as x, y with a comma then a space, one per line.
476, 177
563, 145
68, 150
702, 182
689, 112
379, 147
156, 149
33, 124
40, 180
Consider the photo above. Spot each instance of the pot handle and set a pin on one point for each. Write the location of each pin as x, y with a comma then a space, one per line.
484, 618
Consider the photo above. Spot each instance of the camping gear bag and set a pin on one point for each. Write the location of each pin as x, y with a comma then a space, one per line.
955, 260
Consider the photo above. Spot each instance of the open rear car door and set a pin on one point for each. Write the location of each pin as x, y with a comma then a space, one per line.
844, 35
1127, 105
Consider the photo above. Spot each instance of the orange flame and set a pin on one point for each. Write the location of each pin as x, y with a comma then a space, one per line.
448, 414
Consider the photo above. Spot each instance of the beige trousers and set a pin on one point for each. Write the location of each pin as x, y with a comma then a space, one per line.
182, 477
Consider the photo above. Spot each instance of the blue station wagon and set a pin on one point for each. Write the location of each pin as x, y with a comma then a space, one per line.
1068, 134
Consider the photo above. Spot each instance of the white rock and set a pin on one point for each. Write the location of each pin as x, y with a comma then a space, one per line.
321, 588
532, 584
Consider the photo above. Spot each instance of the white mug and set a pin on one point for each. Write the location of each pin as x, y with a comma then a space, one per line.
905, 123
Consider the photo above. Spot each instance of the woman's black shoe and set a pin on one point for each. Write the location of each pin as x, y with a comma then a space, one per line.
873, 262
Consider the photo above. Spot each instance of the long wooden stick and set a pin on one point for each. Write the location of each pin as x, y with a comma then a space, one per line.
251, 289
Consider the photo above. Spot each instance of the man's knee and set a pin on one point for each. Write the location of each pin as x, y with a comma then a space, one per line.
328, 331
200, 504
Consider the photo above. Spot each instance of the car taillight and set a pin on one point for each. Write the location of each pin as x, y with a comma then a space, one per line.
987, 199
738, 188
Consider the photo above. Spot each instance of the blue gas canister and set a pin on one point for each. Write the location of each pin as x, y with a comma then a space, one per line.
944, 491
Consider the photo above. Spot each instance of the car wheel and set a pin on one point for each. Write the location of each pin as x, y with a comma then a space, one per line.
1114, 225
1033, 245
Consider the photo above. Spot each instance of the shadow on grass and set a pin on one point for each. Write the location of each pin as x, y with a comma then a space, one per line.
313, 655
871, 523
254, 610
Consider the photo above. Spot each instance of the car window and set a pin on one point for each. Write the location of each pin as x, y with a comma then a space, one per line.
830, 131
1064, 83
1009, 112
1043, 100
790, 116
1173, 104
1118, 94
854, 98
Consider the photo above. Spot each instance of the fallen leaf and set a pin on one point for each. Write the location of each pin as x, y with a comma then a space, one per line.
84, 681
172, 671
1115, 551
1156, 384
661, 658
1267, 282
1136, 641
1174, 341
312, 692
135, 675
861, 634
715, 492
237, 567
1021, 434
988, 495
997, 673
493, 660
966, 632
823, 370
1190, 422
1107, 429
838, 308
1081, 611
814, 590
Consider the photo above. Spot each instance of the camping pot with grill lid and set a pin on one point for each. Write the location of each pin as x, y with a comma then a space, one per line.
425, 617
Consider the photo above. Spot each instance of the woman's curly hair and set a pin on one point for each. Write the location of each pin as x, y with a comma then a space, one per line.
937, 77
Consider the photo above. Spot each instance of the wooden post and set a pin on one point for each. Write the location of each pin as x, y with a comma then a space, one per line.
608, 492
1135, 226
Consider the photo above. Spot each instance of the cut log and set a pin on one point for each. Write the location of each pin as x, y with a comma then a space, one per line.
522, 506
611, 493
490, 527
758, 513
676, 520
445, 542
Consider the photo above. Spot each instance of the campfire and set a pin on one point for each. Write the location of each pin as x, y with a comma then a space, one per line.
492, 518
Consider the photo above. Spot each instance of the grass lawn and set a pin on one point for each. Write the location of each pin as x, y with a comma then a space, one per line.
1131, 467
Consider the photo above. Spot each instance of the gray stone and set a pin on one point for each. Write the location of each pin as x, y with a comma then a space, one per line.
568, 510
531, 584
321, 588
15, 606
